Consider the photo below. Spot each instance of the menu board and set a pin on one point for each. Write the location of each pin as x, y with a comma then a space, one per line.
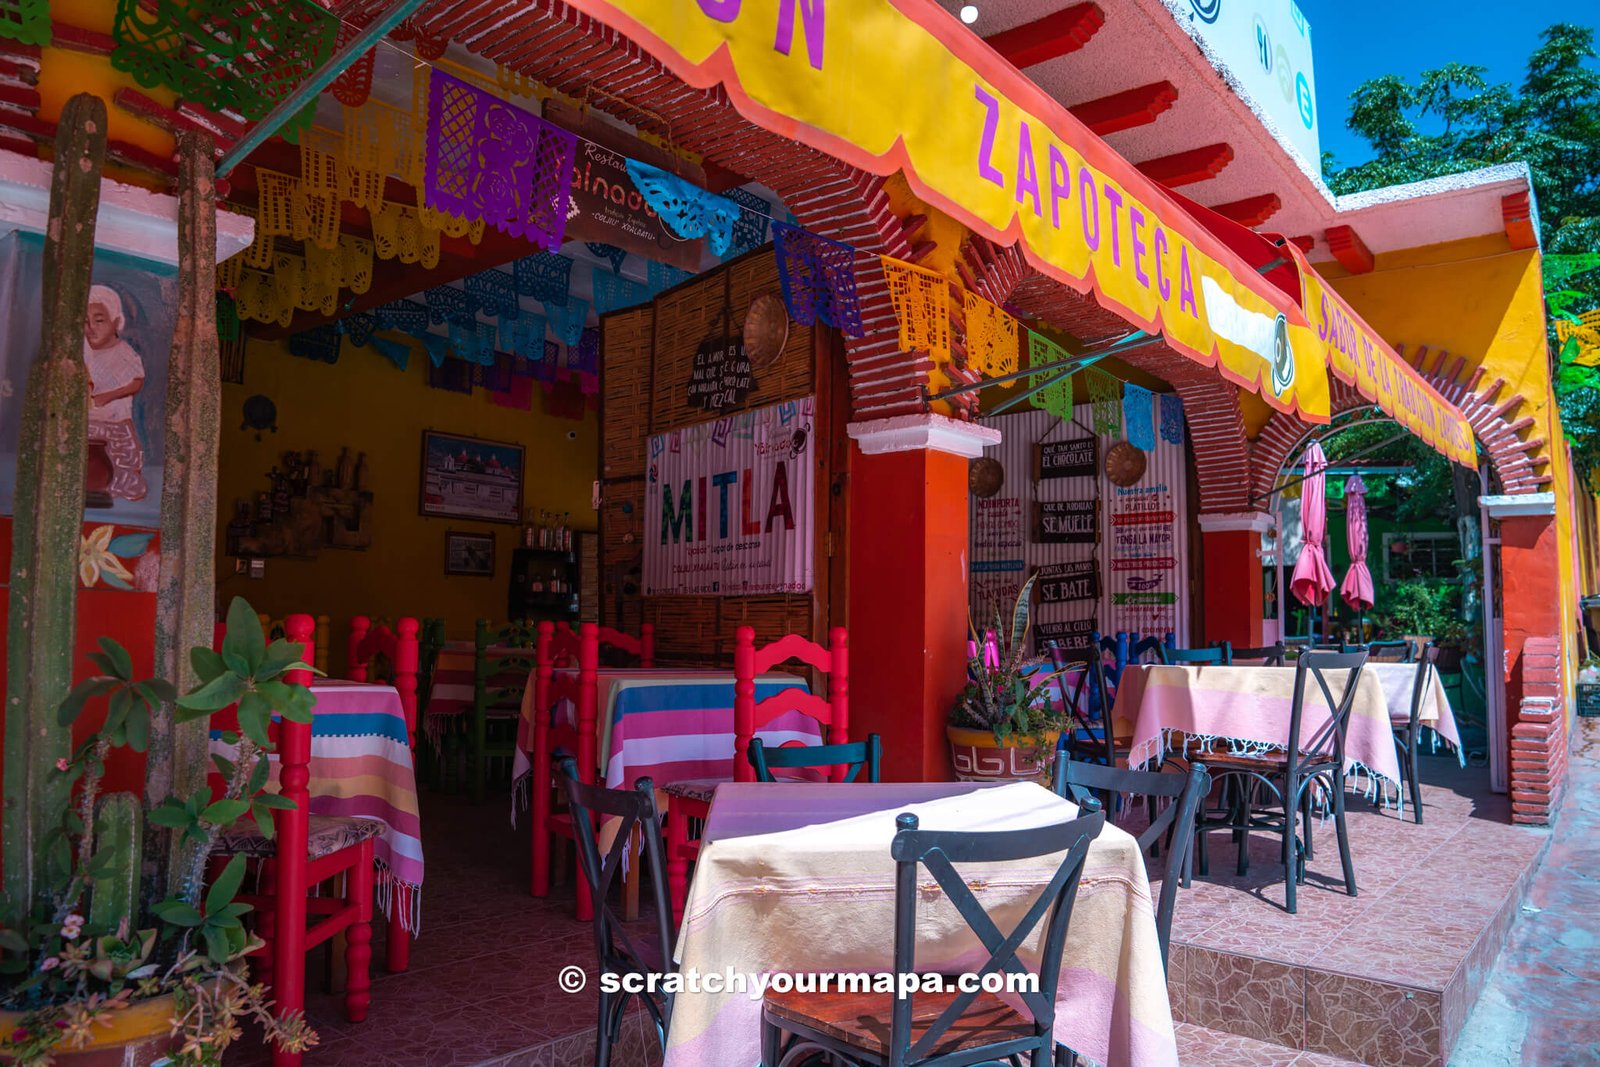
1066, 522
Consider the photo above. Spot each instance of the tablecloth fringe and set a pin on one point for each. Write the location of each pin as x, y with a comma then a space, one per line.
521, 795
393, 892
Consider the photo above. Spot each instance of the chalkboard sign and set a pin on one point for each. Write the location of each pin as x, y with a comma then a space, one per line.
1066, 522
1065, 583
721, 376
1077, 458
1069, 634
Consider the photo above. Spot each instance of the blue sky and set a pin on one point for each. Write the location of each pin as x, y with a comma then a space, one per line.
1353, 40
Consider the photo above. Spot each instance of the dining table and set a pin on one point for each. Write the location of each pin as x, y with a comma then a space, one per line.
1202, 708
361, 767
798, 878
1398, 681
669, 723
452, 689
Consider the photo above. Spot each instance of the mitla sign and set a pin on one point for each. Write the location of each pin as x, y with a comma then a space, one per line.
691, 513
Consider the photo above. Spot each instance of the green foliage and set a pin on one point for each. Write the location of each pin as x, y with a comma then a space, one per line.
1452, 120
66, 970
999, 696
1415, 606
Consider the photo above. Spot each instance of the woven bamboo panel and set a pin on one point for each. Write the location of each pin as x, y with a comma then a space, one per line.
687, 316
625, 339
648, 359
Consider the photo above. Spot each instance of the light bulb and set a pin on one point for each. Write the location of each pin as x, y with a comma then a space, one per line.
969, 13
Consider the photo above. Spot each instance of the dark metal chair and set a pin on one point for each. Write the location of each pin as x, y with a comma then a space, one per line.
1086, 701
1289, 772
1406, 734
1149, 646
1269, 655
1219, 654
1175, 820
946, 1029
1388, 651
618, 953
855, 756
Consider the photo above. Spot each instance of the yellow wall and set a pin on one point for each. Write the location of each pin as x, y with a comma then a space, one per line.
363, 402
1479, 299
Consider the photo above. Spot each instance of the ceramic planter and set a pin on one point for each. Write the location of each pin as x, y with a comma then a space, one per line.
978, 758
137, 1037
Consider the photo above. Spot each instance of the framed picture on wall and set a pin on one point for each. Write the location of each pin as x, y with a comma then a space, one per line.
470, 478
470, 554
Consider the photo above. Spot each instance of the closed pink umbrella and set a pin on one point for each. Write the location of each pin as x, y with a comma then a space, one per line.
1312, 580
1357, 586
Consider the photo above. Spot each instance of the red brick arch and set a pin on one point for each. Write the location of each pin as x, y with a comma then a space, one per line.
575, 54
1210, 403
1514, 459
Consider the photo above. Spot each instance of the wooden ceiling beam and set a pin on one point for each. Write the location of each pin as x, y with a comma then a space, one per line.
1057, 34
1252, 210
1186, 168
1126, 110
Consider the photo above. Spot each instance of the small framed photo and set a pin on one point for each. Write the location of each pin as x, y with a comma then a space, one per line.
469, 554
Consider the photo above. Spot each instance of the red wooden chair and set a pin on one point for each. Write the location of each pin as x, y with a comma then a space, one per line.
692, 800
305, 852
558, 646
399, 647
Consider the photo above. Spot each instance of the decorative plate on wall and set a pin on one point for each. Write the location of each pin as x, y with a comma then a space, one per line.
1125, 463
766, 330
985, 477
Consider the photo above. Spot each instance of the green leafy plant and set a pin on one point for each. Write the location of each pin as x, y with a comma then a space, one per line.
1004, 694
80, 947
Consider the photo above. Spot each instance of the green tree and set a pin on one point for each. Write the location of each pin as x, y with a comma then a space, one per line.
1452, 120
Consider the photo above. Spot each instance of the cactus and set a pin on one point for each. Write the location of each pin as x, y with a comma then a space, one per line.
118, 833
186, 587
52, 456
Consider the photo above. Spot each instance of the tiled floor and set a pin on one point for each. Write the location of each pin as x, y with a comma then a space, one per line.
1251, 984
1541, 1007
1385, 977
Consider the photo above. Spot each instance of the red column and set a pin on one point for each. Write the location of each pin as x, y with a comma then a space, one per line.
908, 585
1232, 585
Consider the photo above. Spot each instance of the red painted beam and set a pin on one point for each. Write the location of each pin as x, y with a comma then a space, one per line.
1056, 34
1126, 110
1305, 243
1252, 210
1186, 168
1517, 212
1349, 249
78, 39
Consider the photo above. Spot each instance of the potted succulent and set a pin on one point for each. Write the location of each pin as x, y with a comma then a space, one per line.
99, 964
1004, 724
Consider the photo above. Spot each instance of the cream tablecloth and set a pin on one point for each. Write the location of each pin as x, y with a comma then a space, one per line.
798, 878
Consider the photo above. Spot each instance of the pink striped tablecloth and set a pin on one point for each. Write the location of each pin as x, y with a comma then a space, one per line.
1398, 680
1247, 709
450, 694
798, 878
361, 767
671, 724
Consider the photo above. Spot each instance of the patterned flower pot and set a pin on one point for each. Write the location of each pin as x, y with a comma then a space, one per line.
977, 758
137, 1037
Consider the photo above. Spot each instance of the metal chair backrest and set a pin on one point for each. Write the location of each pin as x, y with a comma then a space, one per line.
1380, 651
1152, 647
1091, 678
1269, 655
618, 952
1328, 739
1419, 685
1074, 779
1220, 654
854, 756
940, 852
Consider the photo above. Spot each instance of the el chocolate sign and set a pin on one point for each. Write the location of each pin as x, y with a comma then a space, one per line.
1077, 458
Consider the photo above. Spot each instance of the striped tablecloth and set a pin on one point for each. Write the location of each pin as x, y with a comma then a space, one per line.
361, 767
670, 723
1397, 680
450, 694
798, 878
1247, 708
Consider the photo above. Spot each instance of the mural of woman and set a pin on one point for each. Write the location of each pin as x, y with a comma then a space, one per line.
116, 374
